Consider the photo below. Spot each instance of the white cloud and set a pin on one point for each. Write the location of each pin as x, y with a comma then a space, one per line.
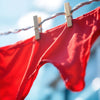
96, 84
79, 98
27, 21
48, 5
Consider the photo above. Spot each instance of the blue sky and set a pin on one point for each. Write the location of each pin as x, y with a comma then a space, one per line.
16, 14
19, 13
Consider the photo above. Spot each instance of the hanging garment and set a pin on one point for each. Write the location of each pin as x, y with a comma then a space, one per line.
68, 49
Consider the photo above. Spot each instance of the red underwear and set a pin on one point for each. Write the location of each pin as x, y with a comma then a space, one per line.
68, 49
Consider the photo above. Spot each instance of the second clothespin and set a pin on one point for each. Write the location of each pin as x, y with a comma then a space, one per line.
37, 28
68, 14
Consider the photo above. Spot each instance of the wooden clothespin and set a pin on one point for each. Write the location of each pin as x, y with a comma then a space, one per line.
40, 27
68, 14
37, 28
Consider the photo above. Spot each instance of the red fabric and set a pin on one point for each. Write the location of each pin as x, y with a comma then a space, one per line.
68, 49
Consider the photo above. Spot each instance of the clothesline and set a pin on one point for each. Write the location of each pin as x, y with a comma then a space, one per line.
53, 16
